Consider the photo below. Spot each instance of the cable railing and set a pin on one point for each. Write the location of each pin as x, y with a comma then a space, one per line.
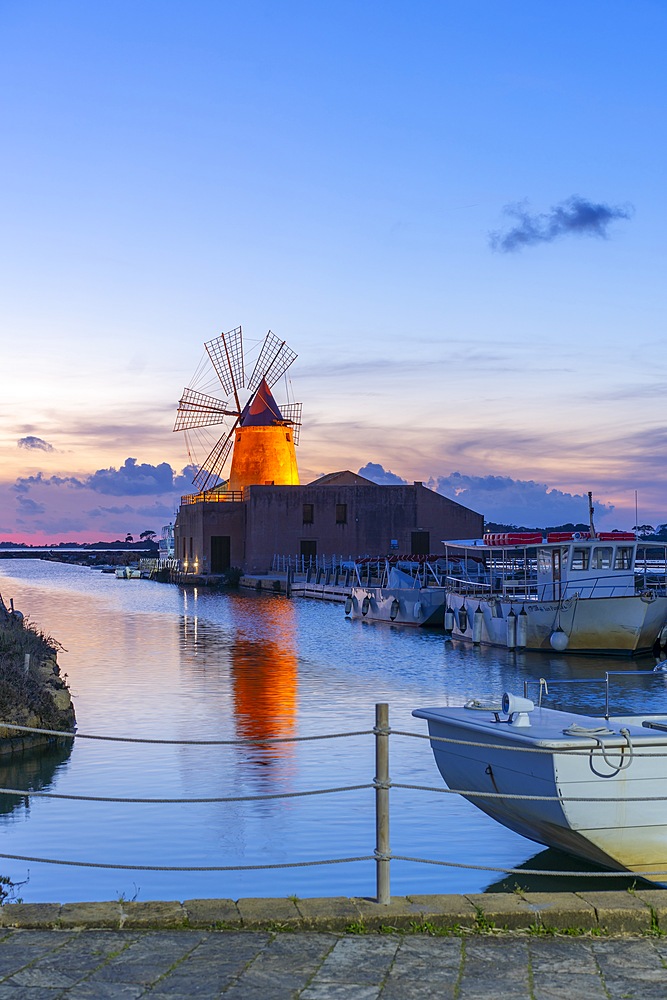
381, 783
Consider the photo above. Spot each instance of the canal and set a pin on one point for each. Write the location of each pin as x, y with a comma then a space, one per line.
153, 661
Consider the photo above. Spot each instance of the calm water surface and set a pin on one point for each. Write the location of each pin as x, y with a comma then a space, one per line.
157, 661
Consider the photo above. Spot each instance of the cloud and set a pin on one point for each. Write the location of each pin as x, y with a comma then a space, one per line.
516, 501
500, 498
24, 483
573, 217
132, 479
29, 507
383, 477
31, 442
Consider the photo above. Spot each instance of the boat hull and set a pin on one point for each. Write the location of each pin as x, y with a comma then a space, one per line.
621, 834
622, 626
398, 605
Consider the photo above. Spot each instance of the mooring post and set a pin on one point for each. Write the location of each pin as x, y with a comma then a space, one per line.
382, 849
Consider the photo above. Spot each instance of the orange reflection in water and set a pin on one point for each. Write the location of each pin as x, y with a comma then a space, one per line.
264, 672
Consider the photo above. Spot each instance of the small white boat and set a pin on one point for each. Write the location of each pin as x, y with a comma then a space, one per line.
605, 777
128, 573
404, 597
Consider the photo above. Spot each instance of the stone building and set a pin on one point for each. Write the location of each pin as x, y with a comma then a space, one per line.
341, 514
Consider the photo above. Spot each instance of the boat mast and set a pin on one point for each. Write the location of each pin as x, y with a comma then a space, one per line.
590, 514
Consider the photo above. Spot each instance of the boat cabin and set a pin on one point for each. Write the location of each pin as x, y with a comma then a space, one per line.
528, 566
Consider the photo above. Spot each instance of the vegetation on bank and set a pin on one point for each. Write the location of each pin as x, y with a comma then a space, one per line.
32, 692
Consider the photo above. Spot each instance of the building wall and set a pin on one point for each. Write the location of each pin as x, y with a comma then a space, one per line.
351, 521
374, 518
197, 523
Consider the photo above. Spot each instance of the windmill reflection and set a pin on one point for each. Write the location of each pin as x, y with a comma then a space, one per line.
256, 656
264, 671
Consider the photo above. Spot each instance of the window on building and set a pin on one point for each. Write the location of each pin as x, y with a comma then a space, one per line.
308, 513
341, 513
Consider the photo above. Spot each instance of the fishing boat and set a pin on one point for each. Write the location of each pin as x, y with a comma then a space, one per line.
594, 786
585, 592
408, 593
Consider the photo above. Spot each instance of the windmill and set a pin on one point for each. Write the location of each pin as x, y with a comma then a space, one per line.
262, 436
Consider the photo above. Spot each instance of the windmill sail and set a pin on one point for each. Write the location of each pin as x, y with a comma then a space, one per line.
196, 409
211, 470
226, 354
274, 359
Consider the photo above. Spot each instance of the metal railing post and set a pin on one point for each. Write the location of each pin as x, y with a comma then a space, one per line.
382, 849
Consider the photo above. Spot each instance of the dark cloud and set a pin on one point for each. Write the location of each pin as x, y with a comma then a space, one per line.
515, 501
500, 498
28, 507
31, 442
184, 481
574, 217
132, 479
383, 477
24, 483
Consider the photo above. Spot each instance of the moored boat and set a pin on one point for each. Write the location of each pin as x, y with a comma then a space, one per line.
581, 592
594, 786
407, 594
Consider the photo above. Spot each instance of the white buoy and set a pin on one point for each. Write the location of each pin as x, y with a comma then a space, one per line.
522, 629
511, 630
559, 640
449, 620
477, 622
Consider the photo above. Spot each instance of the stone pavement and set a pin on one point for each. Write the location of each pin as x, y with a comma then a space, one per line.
605, 945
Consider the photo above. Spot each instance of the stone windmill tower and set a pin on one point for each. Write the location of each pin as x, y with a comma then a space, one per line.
263, 435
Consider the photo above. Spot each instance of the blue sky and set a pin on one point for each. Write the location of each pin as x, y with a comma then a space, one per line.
334, 172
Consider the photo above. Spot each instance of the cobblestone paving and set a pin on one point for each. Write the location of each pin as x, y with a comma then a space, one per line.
258, 965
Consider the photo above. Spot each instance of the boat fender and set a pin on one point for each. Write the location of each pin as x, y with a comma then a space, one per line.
449, 620
511, 629
395, 608
365, 605
522, 629
559, 640
463, 619
477, 622
348, 606
417, 610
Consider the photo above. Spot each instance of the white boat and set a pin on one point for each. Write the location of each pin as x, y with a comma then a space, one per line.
585, 592
603, 777
405, 596
128, 573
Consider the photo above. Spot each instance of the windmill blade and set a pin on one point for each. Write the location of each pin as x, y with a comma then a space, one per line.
274, 359
196, 409
292, 414
226, 354
213, 465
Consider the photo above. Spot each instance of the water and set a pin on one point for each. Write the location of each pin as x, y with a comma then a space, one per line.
158, 661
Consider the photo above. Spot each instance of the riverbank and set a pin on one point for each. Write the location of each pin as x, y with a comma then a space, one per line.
640, 911
32, 691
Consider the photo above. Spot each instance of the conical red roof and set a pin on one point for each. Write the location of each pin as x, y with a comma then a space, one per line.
261, 410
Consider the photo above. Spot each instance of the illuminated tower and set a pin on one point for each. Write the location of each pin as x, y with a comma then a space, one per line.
263, 445
262, 435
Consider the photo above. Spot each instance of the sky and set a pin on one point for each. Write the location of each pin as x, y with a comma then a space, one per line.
454, 212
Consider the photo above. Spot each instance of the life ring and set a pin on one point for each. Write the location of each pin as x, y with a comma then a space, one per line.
395, 608
365, 605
